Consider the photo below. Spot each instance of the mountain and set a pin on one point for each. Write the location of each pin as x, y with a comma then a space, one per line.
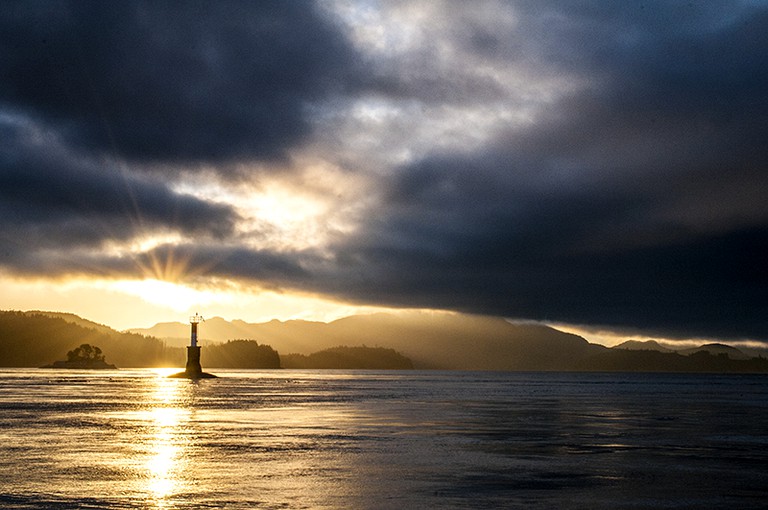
435, 340
427, 340
625, 360
31, 339
75, 319
716, 350
638, 345
469, 342
371, 358
241, 354
430, 340
291, 335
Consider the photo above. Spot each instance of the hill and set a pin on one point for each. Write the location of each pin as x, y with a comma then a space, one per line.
625, 360
75, 319
241, 354
638, 345
716, 350
464, 342
430, 340
288, 336
31, 339
372, 358
425, 340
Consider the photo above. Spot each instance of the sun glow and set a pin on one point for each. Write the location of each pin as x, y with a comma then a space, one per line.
279, 216
125, 304
280, 213
171, 295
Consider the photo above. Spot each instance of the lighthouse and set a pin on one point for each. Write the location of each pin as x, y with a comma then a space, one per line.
193, 370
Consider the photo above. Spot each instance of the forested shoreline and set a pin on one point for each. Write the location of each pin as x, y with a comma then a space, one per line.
34, 339
29, 339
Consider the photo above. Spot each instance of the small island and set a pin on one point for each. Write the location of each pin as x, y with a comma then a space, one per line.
84, 357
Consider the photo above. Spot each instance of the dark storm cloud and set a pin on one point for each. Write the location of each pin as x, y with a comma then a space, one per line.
168, 82
233, 261
633, 201
92, 91
51, 202
198, 261
628, 191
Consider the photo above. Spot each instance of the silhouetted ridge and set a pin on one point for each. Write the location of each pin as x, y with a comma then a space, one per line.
716, 349
241, 354
373, 358
459, 341
32, 339
623, 360
637, 345
427, 340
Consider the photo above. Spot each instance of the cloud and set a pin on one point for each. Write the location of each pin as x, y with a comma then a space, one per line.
577, 162
631, 200
153, 82
53, 205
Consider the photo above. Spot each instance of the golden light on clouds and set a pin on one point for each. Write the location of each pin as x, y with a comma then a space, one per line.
291, 209
167, 294
495, 150
168, 266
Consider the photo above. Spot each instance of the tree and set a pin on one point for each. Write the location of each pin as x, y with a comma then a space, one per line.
85, 353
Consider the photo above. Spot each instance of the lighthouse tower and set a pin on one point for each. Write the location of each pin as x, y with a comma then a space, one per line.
193, 370
193, 351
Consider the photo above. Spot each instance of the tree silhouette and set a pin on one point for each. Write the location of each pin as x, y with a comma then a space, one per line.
85, 353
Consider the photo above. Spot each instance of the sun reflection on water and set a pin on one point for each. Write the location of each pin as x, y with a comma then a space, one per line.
167, 441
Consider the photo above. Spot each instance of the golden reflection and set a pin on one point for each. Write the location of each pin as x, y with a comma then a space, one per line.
167, 442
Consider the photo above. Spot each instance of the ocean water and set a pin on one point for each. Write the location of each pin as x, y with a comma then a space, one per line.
367, 440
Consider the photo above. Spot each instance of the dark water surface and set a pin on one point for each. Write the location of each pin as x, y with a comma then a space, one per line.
363, 439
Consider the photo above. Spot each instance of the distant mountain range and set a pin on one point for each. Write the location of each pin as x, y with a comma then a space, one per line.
402, 340
638, 345
465, 342
714, 349
430, 340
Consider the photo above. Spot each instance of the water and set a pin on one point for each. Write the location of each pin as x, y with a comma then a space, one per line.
362, 439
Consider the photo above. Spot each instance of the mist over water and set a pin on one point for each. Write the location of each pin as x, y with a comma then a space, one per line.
363, 439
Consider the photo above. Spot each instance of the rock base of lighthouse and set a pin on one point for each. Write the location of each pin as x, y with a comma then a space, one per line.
193, 369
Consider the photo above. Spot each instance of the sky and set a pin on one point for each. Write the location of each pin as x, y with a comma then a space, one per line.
599, 165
